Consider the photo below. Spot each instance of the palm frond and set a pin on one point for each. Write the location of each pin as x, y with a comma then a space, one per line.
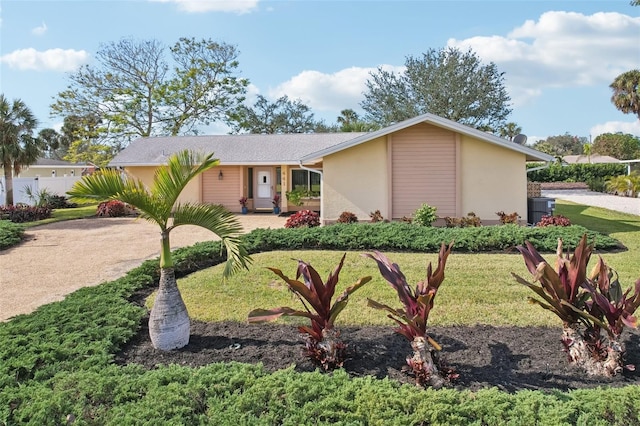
181, 168
221, 222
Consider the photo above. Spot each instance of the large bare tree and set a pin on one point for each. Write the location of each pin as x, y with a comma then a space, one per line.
134, 90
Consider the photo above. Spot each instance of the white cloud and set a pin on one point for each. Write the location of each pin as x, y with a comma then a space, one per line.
39, 30
630, 127
198, 6
561, 49
328, 92
48, 60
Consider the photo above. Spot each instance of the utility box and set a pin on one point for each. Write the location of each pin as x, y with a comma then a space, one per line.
538, 207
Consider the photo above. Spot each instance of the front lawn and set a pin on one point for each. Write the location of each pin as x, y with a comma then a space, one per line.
57, 364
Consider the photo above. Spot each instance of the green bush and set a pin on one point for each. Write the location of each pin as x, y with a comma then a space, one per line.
10, 233
425, 215
399, 236
576, 172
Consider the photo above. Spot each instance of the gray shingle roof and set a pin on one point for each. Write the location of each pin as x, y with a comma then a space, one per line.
252, 149
231, 149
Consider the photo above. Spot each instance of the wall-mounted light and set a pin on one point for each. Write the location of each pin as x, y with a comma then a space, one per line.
220, 176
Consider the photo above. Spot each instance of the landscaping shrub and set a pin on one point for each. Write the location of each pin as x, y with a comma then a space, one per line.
21, 213
10, 233
322, 340
586, 304
550, 220
112, 208
576, 172
376, 216
508, 218
59, 202
303, 218
399, 236
597, 185
347, 217
425, 364
627, 185
425, 215
462, 222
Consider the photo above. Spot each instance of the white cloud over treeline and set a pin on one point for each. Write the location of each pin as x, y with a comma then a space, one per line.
49, 60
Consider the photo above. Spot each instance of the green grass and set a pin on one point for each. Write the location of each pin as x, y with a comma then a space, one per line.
478, 288
60, 215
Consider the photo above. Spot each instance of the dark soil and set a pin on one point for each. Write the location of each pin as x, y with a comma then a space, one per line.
510, 358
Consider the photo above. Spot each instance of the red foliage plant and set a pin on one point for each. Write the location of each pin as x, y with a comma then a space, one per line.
347, 217
412, 319
549, 220
586, 304
111, 208
323, 343
303, 218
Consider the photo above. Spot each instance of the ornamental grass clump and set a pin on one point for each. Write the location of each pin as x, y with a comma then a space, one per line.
586, 304
425, 364
322, 340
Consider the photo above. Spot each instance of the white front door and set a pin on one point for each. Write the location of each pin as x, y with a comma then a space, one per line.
264, 189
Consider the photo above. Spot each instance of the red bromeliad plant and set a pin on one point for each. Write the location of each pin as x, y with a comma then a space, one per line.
412, 319
323, 342
585, 304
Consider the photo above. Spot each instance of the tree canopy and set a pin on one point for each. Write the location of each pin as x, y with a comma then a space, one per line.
281, 116
18, 146
134, 90
448, 82
561, 145
626, 92
617, 145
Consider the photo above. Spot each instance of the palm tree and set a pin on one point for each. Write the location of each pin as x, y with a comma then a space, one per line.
18, 147
626, 92
169, 326
510, 130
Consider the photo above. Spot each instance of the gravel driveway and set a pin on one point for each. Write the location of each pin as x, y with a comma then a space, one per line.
597, 199
62, 257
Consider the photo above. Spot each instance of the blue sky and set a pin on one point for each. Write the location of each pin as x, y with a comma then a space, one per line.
559, 57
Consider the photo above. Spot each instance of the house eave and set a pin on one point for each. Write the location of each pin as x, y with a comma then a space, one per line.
531, 154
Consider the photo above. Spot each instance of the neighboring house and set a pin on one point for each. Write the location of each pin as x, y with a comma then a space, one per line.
589, 159
427, 159
48, 167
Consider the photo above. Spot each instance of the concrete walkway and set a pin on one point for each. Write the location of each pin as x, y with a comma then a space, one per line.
59, 258
596, 199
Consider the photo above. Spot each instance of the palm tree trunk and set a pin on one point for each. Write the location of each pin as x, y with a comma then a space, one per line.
8, 184
169, 325
425, 367
594, 360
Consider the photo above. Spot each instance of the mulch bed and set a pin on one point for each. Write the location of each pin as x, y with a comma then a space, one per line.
510, 358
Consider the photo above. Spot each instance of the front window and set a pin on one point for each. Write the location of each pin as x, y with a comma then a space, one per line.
305, 181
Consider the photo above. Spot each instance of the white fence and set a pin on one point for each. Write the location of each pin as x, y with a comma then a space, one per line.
54, 185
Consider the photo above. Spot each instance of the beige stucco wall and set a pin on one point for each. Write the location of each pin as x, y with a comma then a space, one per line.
356, 180
493, 179
191, 193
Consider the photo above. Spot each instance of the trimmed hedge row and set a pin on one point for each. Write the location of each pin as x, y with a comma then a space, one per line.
576, 172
